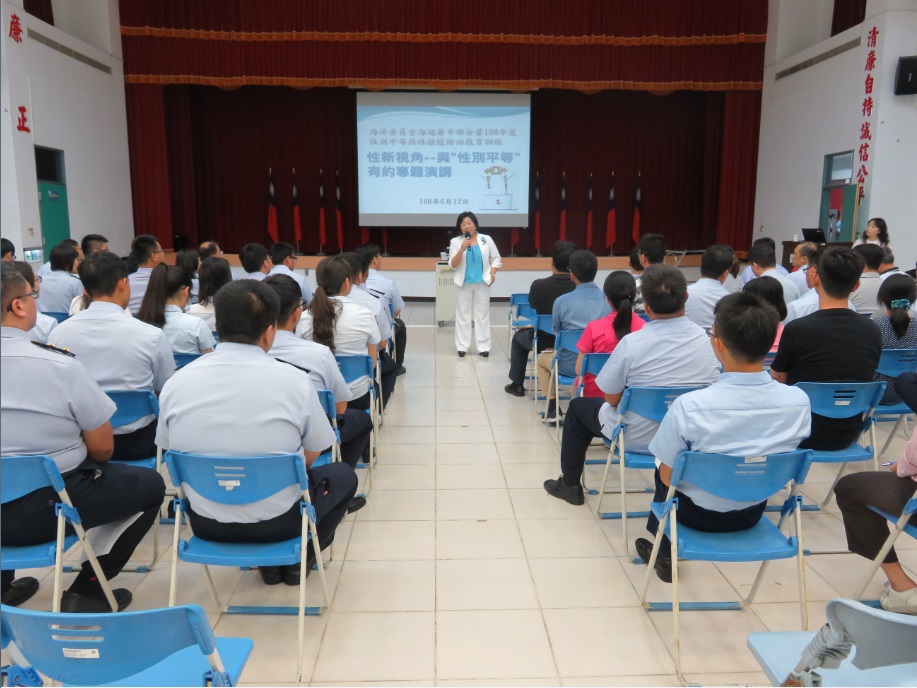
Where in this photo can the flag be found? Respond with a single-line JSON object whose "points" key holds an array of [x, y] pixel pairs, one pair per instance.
{"points": [[322, 230], [611, 229], [563, 207], [297, 220], [272, 209], [364, 235], [589, 216], [638, 202], [338, 217], [537, 213], [513, 237]]}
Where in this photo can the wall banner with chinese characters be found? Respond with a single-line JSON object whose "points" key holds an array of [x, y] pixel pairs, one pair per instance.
{"points": [[867, 106]]}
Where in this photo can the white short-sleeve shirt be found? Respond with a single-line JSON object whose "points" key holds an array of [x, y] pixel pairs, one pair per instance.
{"points": [[58, 289], [207, 313], [703, 296], [300, 280], [374, 305], [139, 282], [314, 357], [44, 324], [186, 334]]}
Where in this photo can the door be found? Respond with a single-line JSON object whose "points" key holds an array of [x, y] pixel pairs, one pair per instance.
{"points": [[52, 197]]}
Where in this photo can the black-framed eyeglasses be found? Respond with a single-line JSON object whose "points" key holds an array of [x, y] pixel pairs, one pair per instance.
{"points": [[33, 294], [711, 334]]}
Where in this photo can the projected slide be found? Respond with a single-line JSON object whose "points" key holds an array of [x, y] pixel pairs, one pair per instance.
{"points": [[424, 158]]}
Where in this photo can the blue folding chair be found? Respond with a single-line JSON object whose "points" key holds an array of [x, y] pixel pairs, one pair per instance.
{"points": [[565, 340], [884, 644], [515, 300], [20, 475], [892, 363], [592, 364], [901, 525], [651, 403], [157, 647], [353, 368], [744, 479], [181, 360], [334, 454], [542, 323], [60, 317], [845, 400], [235, 481]]}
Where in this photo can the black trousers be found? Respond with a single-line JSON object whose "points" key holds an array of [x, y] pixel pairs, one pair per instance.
{"points": [[519, 354], [581, 426], [698, 518], [136, 445], [355, 428], [401, 340], [102, 493], [389, 375], [331, 488], [906, 387], [867, 530]]}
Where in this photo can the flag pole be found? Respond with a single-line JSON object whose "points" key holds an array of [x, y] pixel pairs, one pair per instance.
{"points": [[321, 210], [298, 251]]}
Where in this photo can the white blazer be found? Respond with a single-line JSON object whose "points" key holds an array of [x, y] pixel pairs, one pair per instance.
{"points": [[489, 254]]}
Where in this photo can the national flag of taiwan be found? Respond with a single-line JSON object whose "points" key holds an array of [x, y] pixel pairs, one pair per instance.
{"points": [[638, 202], [537, 209], [589, 216], [297, 220], [563, 207], [322, 229], [338, 217], [272, 209], [611, 228], [364, 235]]}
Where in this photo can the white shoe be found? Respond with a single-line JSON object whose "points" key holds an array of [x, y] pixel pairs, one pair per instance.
{"points": [[899, 602]]}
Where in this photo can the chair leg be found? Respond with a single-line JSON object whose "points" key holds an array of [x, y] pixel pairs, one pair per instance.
{"points": [[801, 568], [213, 590], [650, 565], [676, 620], [58, 563], [321, 566], [97, 569], [598, 505], [880, 557], [891, 434], [301, 620], [173, 579]]}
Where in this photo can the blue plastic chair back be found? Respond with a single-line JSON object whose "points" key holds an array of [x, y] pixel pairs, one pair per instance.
{"points": [[60, 317], [518, 300], [567, 340], [544, 323], [133, 406], [525, 315], [842, 399], [593, 363], [95, 649], [181, 360], [742, 478], [216, 336], [356, 367], [233, 480], [327, 400], [20, 475], [893, 362], [651, 403], [769, 359], [644, 317]]}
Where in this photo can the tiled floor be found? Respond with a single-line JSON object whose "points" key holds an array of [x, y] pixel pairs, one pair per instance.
{"points": [[461, 570]]}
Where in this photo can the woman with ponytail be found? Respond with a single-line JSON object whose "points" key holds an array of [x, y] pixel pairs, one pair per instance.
{"points": [[897, 296], [163, 306], [214, 273], [602, 336], [190, 260], [347, 328]]}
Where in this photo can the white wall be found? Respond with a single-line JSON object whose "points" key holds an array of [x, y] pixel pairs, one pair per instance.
{"points": [[794, 26], [72, 107]]}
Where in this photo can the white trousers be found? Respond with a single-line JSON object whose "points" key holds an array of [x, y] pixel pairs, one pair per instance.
{"points": [[472, 298]]}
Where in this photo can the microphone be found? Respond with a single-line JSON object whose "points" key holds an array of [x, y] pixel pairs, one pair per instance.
{"points": [[467, 235]]}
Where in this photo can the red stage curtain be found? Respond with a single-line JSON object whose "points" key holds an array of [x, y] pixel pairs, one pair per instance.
{"points": [[847, 13], [739, 171], [149, 162]]}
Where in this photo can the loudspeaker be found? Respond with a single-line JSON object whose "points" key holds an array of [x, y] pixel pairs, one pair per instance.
{"points": [[906, 76]]}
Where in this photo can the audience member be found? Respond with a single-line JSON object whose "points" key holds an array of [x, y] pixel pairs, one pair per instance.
{"points": [[603, 335], [732, 283], [876, 233], [571, 311], [52, 407], [808, 303], [318, 362], [255, 261], [650, 251], [92, 243], [744, 413], [898, 326], [208, 249], [763, 261], [7, 250], [189, 260], [703, 295], [748, 274], [214, 274], [60, 286], [121, 353], [888, 267], [46, 268], [283, 256], [834, 344], [147, 254], [866, 296], [542, 295], [43, 323], [380, 285], [770, 291], [240, 402], [164, 307], [802, 256], [347, 328], [670, 351]]}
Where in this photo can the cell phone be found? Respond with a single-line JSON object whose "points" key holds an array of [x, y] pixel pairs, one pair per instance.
{"points": [[890, 463]]}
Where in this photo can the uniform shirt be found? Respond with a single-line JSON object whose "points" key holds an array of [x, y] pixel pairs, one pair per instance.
{"points": [[542, 295], [206, 313], [121, 353], [806, 305], [866, 297], [599, 337], [186, 334], [240, 402], [47, 399], [742, 414], [574, 311], [58, 289], [374, 306], [376, 281], [300, 280], [43, 326], [888, 273], [139, 281], [666, 353], [703, 295], [45, 269], [354, 329], [258, 276], [798, 277], [790, 290], [732, 284], [315, 358], [747, 275]]}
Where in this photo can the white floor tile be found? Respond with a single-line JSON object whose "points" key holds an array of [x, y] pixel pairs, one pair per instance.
{"points": [[463, 505], [386, 586], [478, 540], [392, 540], [484, 584], [469, 476]]}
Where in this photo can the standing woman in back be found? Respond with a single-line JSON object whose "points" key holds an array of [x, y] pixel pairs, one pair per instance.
{"points": [[876, 232], [475, 259], [164, 304]]}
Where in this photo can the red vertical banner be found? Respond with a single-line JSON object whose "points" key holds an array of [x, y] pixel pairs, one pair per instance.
{"points": [[297, 219], [364, 235], [513, 238], [589, 216], [322, 228], [638, 203], [562, 232], [537, 214], [338, 216], [272, 209], [611, 220]]}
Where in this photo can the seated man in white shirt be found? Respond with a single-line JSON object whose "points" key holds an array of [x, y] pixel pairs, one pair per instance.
{"points": [[802, 258], [120, 352], [283, 257], [60, 286], [669, 351], [866, 296], [748, 274], [379, 285], [763, 261], [887, 267], [808, 302], [240, 402], [745, 413], [73, 243], [147, 254], [703, 295], [255, 261]]}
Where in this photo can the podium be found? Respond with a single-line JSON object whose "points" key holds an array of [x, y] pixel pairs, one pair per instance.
{"points": [[445, 293]]}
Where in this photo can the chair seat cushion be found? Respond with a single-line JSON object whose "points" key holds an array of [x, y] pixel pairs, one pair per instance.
{"points": [[33, 556], [199, 551]]}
